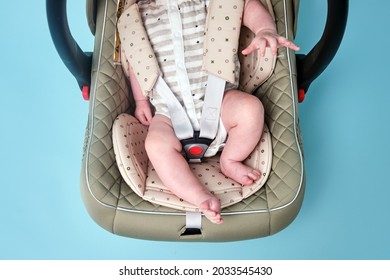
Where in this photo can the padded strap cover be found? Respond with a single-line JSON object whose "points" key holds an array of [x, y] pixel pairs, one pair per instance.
{"points": [[223, 27], [138, 49]]}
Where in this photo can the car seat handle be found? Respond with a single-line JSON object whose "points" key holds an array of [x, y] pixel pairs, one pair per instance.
{"points": [[78, 62], [310, 66]]}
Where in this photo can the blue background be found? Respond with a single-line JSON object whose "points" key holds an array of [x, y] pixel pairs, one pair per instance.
{"points": [[344, 120]]}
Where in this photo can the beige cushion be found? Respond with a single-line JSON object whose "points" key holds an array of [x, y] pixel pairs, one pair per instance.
{"points": [[129, 138]]}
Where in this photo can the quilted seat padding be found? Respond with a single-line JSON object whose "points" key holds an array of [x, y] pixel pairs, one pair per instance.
{"points": [[114, 206]]}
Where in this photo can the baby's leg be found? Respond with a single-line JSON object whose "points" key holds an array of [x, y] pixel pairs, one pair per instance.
{"points": [[243, 118], [163, 149]]}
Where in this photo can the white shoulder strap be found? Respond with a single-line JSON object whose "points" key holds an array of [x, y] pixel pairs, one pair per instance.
{"points": [[211, 110], [180, 121]]}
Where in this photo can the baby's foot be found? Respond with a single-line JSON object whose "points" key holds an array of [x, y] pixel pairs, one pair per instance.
{"points": [[240, 173], [211, 208]]}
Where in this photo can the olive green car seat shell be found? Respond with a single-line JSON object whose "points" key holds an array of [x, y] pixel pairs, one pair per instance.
{"points": [[112, 203]]}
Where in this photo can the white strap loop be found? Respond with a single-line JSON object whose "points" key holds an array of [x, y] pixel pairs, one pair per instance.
{"points": [[194, 220]]}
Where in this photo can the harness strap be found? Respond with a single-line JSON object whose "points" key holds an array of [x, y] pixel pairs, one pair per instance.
{"points": [[180, 121], [182, 77], [211, 110], [195, 143]]}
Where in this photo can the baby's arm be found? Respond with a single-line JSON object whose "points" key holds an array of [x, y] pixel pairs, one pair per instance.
{"points": [[143, 111], [257, 18]]}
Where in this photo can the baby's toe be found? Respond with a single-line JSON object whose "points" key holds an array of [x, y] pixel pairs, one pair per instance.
{"points": [[254, 175]]}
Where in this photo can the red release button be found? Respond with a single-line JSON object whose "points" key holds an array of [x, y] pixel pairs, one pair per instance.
{"points": [[85, 92], [195, 150], [301, 95]]}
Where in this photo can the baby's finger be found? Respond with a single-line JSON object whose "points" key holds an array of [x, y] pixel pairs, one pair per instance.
{"points": [[141, 117], [273, 44], [148, 118], [144, 120], [287, 43], [249, 49], [294, 47], [262, 44]]}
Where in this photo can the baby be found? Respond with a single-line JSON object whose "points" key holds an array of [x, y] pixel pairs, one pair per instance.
{"points": [[242, 114]]}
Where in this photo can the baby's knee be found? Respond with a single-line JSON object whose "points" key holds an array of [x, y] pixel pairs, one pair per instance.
{"points": [[157, 145], [252, 107], [245, 102]]}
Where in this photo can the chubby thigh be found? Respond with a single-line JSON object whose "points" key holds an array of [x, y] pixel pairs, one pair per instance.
{"points": [[161, 136]]}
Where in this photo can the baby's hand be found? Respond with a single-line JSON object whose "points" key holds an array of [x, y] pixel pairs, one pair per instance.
{"points": [[143, 112], [268, 38]]}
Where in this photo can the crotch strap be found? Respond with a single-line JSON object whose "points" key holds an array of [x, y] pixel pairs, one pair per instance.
{"points": [[195, 143]]}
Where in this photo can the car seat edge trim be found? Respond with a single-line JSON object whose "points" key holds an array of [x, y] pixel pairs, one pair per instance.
{"points": [[91, 121], [295, 112]]}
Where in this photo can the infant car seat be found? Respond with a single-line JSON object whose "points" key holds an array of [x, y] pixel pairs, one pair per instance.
{"points": [[109, 199]]}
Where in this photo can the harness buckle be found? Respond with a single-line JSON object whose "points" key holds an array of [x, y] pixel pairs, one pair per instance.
{"points": [[195, 148]]}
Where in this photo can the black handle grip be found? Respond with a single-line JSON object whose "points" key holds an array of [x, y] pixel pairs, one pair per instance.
{"points": [[310, 66], [77, 61]]}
